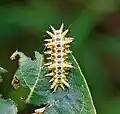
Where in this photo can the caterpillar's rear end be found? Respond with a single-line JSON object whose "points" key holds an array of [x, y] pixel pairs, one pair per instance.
{"points": [[58, 50]]}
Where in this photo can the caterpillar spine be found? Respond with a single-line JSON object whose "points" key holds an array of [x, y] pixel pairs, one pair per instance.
{"points": [[58, 50]]}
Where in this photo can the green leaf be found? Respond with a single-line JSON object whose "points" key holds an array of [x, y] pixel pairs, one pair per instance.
{"points": [[75, 100], [2, 70], [7, 107]]}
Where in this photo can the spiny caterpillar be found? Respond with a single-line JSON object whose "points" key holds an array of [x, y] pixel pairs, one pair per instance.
{"points": [[58, 50]]}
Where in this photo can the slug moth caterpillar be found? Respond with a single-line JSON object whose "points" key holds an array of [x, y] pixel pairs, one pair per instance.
{"points": [[58, 49]]}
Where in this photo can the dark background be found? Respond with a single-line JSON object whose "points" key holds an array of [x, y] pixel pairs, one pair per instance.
{"points": [[95, 25]]}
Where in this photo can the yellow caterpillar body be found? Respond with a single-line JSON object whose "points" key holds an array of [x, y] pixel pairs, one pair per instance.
{"points": [[58, 50]]}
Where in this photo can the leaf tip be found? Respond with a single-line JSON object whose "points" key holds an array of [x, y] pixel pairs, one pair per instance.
{"points": [[14, 55]]}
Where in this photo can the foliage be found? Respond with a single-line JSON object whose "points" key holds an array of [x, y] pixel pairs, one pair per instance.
{"points": [[31, 75], [2, 70], [7, 107]]}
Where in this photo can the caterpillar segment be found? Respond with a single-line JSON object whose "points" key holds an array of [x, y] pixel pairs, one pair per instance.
{"points": [[57, 51]]}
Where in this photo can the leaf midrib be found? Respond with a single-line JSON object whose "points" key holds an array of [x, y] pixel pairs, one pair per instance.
{"points": [[34, 86]]}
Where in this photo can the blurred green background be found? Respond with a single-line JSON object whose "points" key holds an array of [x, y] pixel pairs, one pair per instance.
{"points": [[95, 26]]}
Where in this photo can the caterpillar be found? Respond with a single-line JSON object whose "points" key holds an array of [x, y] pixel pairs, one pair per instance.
{"points": [[58, 49]]}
